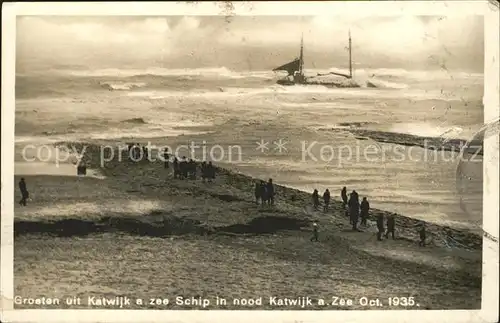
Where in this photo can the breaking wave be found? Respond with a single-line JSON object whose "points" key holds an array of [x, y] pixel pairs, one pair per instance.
{"points": [[122, 86], [182, 74]]}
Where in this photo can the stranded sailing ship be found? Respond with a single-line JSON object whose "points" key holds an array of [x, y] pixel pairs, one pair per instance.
{"points": [[295, 70]]}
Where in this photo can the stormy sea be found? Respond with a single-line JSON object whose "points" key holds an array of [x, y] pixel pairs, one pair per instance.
{"points": [[369, 139]]}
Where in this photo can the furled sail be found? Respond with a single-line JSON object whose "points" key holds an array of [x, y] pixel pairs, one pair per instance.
{"points": [[291, 67]]}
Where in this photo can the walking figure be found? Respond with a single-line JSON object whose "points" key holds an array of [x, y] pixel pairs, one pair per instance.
{"points": [[24, 192], [391, 223], [270, 192], [380, 226], [210, 172], [354, 210], [365, 208], [166, 158], [326, 199], [315, 232], [264, 195], [315, 198], [257, 192], [422, 234], [177, 171], [204, 175], [343, 195]]}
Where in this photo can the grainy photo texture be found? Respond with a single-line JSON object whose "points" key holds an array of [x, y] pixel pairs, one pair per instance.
{"points": [[249, 162]]}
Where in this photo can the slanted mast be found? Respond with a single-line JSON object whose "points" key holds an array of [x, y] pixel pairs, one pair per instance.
{"points": [[301, 55], [297, 65], [295, 68]]}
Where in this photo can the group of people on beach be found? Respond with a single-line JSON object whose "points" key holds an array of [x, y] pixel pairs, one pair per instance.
{"points": [[356, 210], [134, 150], [188, 169], [353, 208], [264, 192], [184, 168]]}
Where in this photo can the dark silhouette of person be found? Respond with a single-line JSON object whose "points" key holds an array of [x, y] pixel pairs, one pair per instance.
{"points": [[131, 151], [353, 204], [315, 232], [203, 168], [270, 192], [264, 196], [81, 169], [326, 199], [188, 169], [365, 208], [183, 167], [137, 153], [210, 172], [145, 150], [380, 226], [257, 192], [24, 192], [391, 224], [166, 158], [343, 195], [423, 235], [192, 169], [315, 198], [177, 170]]}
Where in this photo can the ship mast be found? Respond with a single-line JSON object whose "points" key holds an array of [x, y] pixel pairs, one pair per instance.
{"points": [[301, 64], [350, 56]]}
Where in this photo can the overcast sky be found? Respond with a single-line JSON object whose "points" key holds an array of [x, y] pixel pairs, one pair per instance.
{"points": [[244, 42]]}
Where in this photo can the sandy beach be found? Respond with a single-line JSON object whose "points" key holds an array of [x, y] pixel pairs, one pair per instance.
{"points": [[130, 229], [391, 106]]}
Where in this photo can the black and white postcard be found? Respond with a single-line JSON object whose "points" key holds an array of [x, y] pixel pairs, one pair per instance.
{"points": [[250, 161]]}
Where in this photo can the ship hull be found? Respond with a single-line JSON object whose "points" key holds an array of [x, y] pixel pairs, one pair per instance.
{"points": [[329, 84]]}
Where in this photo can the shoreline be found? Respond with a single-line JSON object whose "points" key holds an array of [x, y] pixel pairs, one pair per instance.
{"points": [[450, 236]]}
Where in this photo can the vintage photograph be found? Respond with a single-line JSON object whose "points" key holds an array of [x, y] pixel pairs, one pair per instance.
{"points": [[217, 162]]}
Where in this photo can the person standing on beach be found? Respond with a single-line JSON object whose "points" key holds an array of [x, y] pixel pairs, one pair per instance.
{"points": [[210, 171], [270, 192], [257, 191], [203, 168], [192, 169], [315, 232], [183, 168], [343, 195], [137, 152], [354, 210], [176, 168], [166, 158], [315, 198], [422, 235], [391, 224], [365, 208], [326, 199], [24, 192], [264, 196], [380, 226]]}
